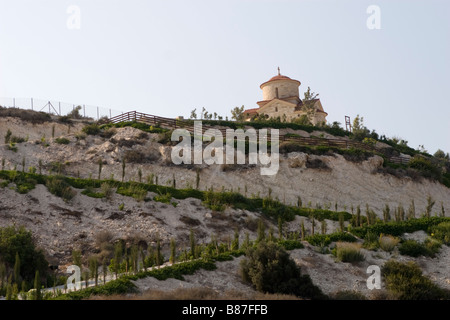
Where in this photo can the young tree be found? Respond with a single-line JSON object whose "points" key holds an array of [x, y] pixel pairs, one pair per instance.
{"points": [[235, 243], [118, 254], [303, 230], [237, 113], [341, 221], [429, 207], [17, 269], [412, 210], [135, 257], [358, 216], [123, 169], [324, 226], [313, 224], [37, 286], [158, 252], [104, 269], [172, 250], [261, 231], [192, 242], [100, 165], [76, 258], [280, 228], [386, 213], [93, 268], [193, 114]]}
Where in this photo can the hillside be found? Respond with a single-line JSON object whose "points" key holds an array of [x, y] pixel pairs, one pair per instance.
{"points": [[327, 180]]}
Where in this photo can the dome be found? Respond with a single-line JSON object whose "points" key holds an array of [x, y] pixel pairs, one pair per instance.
{"points": [[279, 77]]}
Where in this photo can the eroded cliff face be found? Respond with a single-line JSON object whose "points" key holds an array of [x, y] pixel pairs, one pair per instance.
{"points": [[317, 180], [59, 227]]}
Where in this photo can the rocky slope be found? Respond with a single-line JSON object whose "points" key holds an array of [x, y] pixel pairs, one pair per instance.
{"points": [[60, 227]]}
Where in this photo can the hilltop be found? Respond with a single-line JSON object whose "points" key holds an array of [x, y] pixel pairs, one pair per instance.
{"points": [[316, 178]]}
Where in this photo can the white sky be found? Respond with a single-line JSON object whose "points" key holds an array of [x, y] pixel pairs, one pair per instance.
{"points": [[168, 57]]}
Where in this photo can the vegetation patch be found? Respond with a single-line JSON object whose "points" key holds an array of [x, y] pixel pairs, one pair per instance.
{"points": [[406, 282]]}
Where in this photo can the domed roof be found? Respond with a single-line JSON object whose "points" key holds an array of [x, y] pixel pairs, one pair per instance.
{"points": [[279, 77]]}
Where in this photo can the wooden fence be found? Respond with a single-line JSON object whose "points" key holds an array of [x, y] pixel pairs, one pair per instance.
{"points": [[171, 123]]}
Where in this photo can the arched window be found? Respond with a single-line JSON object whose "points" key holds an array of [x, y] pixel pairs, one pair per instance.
{"points": [[276, 93], [276, 109]]}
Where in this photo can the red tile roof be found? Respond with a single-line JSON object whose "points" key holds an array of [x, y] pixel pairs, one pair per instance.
{"points": [[279, 77]]}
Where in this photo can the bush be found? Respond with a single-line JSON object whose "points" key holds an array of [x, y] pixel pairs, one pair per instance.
{"points": [[60, 188], [269, 268], [441, 232], [348, 252], [19, 240], [428, 169], [398, 228], [388, 242], [291, 244], [406, 282], [415, 249], [62, 140], [326, 239], [91, 129]]}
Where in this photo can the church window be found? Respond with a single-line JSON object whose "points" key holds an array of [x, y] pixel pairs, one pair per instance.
{"points": [[276, 93], [276, 109]]}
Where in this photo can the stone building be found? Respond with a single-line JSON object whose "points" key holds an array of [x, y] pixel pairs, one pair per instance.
{"points": [[281, 99]]}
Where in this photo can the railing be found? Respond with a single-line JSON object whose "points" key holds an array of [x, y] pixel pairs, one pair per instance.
{"points": [[306, 141]]}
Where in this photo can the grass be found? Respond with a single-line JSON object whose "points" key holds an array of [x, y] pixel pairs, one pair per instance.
{"points": [[348, 252], [388, 242]]}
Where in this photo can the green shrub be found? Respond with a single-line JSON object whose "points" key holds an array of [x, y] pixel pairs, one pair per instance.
{"points": [[291, 244], [415, 249], [91, 129], [17, 240], [441, 232], [326, 239], [62, 140], [269, 268], [426, 167], [60, 188], [348, 252], [398, 228], [406, 282], [15, 139]]}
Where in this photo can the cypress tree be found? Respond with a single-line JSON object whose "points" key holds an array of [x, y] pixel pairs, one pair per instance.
{"points": [[37, 286], [302, 229], [123, 169], [235, 243], [358, 216], [341, 221], [104, 269], [192, 242], [158, 252], [172, 250], [324, 226], [17, 269], [118, 252], [100, 165], [280, 228], [261, 231]]}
